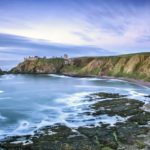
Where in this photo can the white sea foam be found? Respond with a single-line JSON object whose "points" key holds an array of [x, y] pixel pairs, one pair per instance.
{"points": [[23, 128], [23, 141], [132, 93], [116, 80], [1, 91], [58, 76], [3, 98], [7, 77], [2, 117], [23, 125], [111, 119], [73, 99], [71, 108], [91, 79], [44, 123], [1, 134], [88, 86]]}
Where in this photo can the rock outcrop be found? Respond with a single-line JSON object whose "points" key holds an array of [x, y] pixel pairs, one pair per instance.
{"points": [[40, 65], [131, 134], [1, 72], [136, 66]]}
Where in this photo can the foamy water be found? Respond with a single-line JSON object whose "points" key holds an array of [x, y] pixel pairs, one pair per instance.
{"points": [[29, 102]]}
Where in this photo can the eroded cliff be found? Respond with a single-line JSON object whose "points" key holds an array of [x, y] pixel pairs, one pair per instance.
{"points": [[136, 66]]}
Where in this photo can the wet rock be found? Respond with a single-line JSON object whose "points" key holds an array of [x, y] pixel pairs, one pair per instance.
{"points": [[123, 107], [140, 118], [100, 136], [147, 96], [134, 133], [104, 95]]}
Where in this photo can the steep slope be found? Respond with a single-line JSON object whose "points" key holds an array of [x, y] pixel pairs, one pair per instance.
{"points": [[40, 65], [135, 66]]}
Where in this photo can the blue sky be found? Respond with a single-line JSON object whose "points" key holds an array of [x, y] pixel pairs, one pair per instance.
{"points": [[76, 27]]}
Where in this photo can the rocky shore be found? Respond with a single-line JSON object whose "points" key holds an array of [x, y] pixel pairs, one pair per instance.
{"points": [[138, 82], [131, 132]]}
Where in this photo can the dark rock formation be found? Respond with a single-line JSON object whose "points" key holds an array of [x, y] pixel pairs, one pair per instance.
{"points": [[1, 72]]}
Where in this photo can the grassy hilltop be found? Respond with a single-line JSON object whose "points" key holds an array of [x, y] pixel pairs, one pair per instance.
{"points": [[136, 66]]}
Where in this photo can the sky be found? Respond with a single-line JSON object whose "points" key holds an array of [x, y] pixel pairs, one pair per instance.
{"points": [[76, 27]]}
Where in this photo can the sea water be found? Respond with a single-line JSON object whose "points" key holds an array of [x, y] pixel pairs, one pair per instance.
{"points": [[29, 102]]}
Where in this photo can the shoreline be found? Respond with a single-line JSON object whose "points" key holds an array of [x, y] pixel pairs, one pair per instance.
{"points": [[125, 117], [135, 81], [112, 137]]}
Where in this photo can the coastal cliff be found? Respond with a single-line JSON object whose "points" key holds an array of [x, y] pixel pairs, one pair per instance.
{"points": [[136, 66]]}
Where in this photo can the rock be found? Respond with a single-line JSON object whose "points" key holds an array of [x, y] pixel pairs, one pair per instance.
{"points": [[133, 133], [147, 96], [1, 72], [122, 107], [40, 65]]}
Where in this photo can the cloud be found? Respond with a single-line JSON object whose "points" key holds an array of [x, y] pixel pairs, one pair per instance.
{"points": [[144, 39], [23, 46], [117, 25], [14, 48]]}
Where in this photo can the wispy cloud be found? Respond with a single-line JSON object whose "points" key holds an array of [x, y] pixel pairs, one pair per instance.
{"points": [[15, 47], [117, 25]]}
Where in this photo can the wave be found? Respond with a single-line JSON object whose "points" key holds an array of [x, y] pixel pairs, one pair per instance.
{"points": [[73, 99], [70, 109], [1, 91], [91, 78], [2, 117], [7, 77], [88, 86], [111, 119], [2, 98], [58, 76], [24, 128], [116, 80], [23, 125], [134, 93]]}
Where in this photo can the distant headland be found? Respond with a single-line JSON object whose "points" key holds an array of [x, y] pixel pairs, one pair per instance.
{"points": [[134, 66]]}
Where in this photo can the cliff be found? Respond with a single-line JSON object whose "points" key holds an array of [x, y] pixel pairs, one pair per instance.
{"points": [[40, 65], [136, 66]]}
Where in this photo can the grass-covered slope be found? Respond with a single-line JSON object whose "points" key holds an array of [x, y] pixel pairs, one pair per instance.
{"points": [[136, 66]]}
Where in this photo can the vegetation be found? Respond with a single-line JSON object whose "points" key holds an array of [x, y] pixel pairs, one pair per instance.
{"points": [[136, 66]]}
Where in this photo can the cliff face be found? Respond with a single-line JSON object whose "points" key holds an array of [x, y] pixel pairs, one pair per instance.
{"points": [[40, 65], [135, 66]]}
